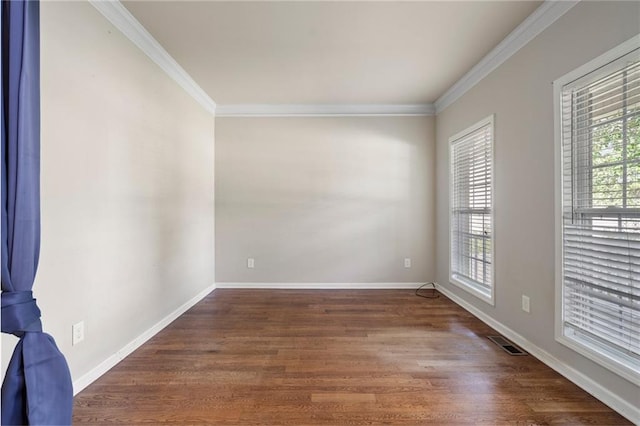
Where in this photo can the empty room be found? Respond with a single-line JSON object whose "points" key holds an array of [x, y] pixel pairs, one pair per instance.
{"points": [[321, 212]]}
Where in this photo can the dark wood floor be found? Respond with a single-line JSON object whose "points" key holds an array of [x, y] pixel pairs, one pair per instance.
{"points": [[269, 357]]}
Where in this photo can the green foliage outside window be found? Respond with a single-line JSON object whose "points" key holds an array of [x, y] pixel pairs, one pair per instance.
{"points": [[615, 164]]}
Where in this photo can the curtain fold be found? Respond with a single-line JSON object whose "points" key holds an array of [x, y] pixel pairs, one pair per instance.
{"points": [[37, 388]]}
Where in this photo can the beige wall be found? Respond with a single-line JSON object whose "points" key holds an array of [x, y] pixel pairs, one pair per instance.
{"points": [[519, 93], [127, 188], [325, 200]]}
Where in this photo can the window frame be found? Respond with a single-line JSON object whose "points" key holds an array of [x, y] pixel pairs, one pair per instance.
{"points": [[604, 63], [468, 285]]}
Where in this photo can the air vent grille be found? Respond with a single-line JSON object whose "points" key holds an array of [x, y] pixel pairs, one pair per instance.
{"points": [[507, 345]]}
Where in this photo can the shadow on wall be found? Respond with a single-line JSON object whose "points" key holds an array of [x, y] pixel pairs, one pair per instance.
{"points": [[332, 199]]}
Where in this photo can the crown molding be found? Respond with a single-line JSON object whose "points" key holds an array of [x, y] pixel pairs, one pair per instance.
{"points": [[538, 21], [124, 21], [545, 15], [361, 110]]}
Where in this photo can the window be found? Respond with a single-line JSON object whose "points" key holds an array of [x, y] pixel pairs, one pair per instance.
{"points": [[598, 284], [471, 211]]}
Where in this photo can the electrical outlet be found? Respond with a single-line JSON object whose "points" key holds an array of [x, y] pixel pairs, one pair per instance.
{"points": [[250, 262], [77, 333], [407, 262], [525, 303]]}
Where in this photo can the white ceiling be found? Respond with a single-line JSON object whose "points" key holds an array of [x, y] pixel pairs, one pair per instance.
{"points": [[328, 52]]}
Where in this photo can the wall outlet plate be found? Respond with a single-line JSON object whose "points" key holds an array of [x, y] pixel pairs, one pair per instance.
{"points": [[77, 333], [407, 262], [251, 263], [526, 303]]}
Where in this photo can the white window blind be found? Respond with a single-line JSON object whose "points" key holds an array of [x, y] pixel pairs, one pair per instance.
{"points": [[600, 125], [471, 257]]}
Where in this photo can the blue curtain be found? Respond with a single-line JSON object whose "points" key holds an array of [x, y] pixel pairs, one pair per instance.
{"points": [[37, 387]]}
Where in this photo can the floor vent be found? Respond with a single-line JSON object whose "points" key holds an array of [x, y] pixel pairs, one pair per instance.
{"points": [[508, 346]]}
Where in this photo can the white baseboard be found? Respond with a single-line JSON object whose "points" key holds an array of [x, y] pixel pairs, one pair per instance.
{"points": [[321, 286], [110, 362], [623, 407]]}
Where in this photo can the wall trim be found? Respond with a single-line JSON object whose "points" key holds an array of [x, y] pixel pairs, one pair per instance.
{"points": [[124, 21], [320, 286], [618, 404], [309, 110], [95, 373], [537, 22], [545, 15]]}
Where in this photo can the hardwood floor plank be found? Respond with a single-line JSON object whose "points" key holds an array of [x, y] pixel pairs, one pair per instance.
{"points": [[332, 357], [343, 397]]}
